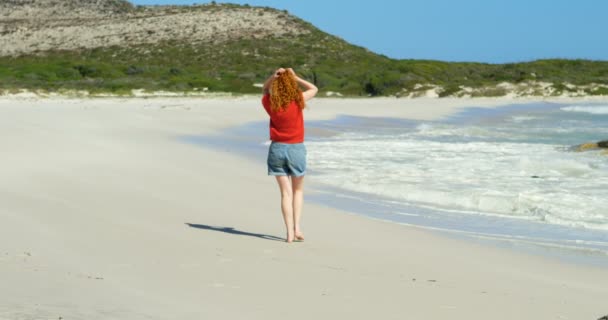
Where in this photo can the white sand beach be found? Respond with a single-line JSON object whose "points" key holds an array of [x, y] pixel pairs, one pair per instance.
{"points": [[104, 214]]}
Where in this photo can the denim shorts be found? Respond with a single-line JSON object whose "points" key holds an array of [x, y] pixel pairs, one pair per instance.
{"points": [[286, 159]]}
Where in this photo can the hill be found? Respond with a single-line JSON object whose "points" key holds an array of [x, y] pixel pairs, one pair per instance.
{"points": [[44, 10], [113, 46]]}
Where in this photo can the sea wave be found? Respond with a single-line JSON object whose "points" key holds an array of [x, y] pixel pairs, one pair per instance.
{"points": [[532, 181], [598, 109], [506, 175]]}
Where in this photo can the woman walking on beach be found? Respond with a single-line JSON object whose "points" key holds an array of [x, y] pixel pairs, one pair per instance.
{"points": [[284, 101]]}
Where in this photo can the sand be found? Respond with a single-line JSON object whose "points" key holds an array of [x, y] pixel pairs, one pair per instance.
{"points": [[104, 214]]}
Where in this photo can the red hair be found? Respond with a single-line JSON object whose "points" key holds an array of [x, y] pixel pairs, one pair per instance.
{"points": [[283, 90]]}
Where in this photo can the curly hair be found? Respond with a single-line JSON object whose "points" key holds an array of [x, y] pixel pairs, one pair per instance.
{"points": [[283, 90]]}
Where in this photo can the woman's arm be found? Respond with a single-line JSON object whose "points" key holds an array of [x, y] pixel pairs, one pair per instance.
{"points": [[266, 87], [310, 89]]}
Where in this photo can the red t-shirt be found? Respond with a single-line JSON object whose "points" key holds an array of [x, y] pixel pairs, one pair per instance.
{"points": [[286, 126]]}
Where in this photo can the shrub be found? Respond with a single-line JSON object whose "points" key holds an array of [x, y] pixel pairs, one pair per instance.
{"points": [[449, 90], [133, 70], [86, 71]]}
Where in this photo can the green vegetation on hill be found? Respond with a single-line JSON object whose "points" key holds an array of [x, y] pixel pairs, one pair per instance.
{"points": [[235, 66]]}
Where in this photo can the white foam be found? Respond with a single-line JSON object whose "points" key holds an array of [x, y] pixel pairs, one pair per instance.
{"points": [[538, 182], [520, 119], [599, 109]]}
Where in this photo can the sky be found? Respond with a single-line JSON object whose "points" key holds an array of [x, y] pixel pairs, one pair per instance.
{"points": [[493, 31]]}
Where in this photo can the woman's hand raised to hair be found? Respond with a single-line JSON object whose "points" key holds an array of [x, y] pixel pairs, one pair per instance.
{"points": [[266, 86], [279, 71], [310, 90]]}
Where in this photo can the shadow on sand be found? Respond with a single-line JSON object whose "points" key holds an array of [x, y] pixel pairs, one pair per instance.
{"points": [[234, 231]]}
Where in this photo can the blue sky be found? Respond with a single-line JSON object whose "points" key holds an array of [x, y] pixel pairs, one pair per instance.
{"points": [[494, 31]]}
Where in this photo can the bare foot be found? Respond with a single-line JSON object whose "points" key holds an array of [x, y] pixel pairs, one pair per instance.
{"points": [[289, 238], [299, 236]]}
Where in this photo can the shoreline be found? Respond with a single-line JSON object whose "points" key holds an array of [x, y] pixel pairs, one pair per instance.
{"points": [[526, 239], [205, 94], [99, 197]]}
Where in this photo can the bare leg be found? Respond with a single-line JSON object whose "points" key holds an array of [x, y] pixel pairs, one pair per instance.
{"points": [[287, 205], [297, 185]]}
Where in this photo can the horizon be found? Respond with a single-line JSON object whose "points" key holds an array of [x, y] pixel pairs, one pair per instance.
{"points": [[470, 30]]}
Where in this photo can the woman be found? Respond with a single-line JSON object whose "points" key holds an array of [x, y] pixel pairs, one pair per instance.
{"points": [[284, 100]]}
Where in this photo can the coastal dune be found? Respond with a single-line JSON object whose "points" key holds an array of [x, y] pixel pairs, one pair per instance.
{"points": [[105, 214]]}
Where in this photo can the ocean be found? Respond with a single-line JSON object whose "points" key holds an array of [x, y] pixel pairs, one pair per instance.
{"points": [[509, 175]]}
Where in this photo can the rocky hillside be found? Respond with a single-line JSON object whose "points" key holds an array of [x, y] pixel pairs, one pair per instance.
{"points": [[111, 46], [43, 10], [33, 26]]}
